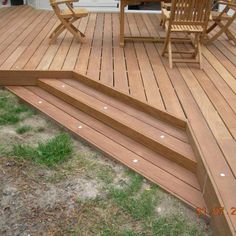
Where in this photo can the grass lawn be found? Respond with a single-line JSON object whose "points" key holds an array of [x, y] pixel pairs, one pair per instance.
{"points": [[52, 184]]}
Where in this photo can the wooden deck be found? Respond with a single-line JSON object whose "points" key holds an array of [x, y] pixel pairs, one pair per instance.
{"points": [[205, 98]]}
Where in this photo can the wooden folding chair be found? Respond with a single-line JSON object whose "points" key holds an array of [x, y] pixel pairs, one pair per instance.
{"points": [[67, 17], [187, 16], [223, 20]]}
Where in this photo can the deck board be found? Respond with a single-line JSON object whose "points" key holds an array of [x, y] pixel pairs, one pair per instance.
{"points": [[84, 53], [28, 53], [149, 80], [120, 79], [106, 75], [71, 57], [60, 56], [94, 63], [206, 98], [13, 35]]}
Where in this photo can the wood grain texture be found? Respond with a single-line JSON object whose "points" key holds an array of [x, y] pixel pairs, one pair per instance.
{"points": [[205, 98], [153, 138]]}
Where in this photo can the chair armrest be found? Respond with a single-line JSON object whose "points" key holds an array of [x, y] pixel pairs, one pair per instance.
{"points": [[166, 5]]}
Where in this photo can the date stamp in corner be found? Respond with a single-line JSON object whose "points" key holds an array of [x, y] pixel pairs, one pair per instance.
{"points": [[216, 211]]}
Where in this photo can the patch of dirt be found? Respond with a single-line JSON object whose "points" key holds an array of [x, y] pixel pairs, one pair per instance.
{"points": [[8, 135], [37, 122], [31, 207]]}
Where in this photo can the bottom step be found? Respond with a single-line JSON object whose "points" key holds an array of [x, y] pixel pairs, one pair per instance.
{"points": [[167, 174]]}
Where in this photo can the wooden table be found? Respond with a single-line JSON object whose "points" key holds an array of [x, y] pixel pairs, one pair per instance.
{"points": [[123, 4]]}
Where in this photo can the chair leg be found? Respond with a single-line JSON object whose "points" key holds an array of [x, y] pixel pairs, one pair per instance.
{"points": [[66, 24], [210, 40], [195, 46], [161, 22], [230, 36], [199, 47], [164, 22], [170, 54], [69, 25], [166, 43], [223, 28], [56, 30], [211, 27], [77, 31], [60, 28]]}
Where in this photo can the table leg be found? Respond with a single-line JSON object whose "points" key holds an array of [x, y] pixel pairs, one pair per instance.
{"points": [[122, 22]]}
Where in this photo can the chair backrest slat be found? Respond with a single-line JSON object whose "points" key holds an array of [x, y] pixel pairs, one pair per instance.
{"points": [[190, 12]]}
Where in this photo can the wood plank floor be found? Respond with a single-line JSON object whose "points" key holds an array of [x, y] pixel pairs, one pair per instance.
{"points": [[207, 98]]}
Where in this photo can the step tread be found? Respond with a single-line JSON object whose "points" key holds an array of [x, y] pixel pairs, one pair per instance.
{"points": [[186, 192], [165, 116], [140, 131], [132, 111]]}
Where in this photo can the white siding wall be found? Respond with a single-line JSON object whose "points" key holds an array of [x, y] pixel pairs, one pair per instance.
{"points": [[92, 5], [33, 3]]}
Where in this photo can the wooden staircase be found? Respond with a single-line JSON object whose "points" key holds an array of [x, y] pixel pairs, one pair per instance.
{"points": [[147, 140], [157, 135]]}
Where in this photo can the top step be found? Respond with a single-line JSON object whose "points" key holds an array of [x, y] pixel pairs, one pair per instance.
{"points": [[131, 101], [156, 134]]}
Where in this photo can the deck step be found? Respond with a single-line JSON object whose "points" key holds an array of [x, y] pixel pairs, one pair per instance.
{"points": [[167, 141], [128, 108], [167, 174]]}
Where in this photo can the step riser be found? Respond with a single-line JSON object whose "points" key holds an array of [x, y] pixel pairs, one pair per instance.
{"points": [[169, 153]]}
